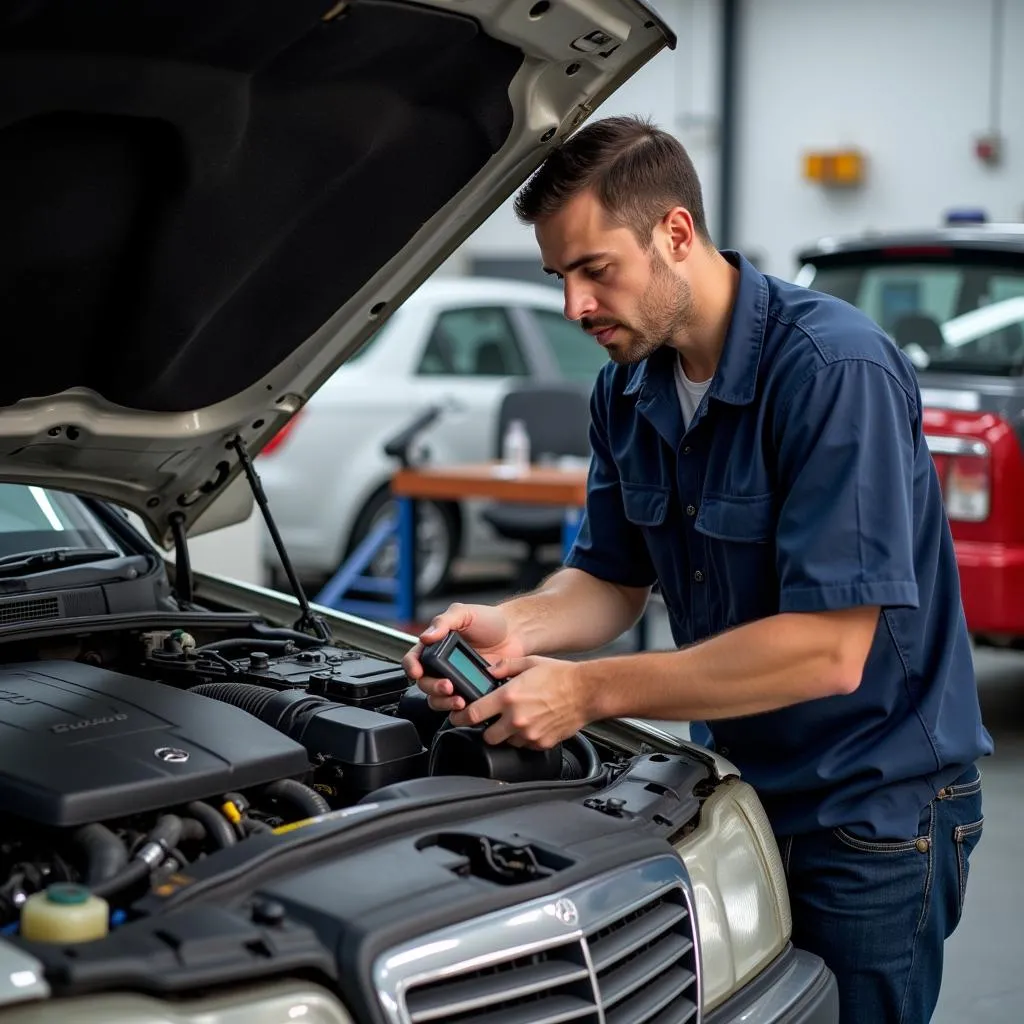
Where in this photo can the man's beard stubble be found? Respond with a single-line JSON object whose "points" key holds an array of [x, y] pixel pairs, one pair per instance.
{"points": [[665, 309]]}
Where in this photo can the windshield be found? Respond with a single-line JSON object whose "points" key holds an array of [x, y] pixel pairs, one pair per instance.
{"points": [[38, 519], [954, 316]]}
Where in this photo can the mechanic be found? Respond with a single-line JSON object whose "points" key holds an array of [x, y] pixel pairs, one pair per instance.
{"points": [[757, 454]]}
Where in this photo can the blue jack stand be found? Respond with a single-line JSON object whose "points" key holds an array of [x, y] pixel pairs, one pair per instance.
{"points": [[401, 588], [349, 576]]}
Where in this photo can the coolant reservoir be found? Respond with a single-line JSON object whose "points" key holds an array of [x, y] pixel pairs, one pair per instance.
{"points": [[64, 913]]}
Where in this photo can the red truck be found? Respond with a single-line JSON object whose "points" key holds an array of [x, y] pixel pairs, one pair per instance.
{"points": [[953, 299]]}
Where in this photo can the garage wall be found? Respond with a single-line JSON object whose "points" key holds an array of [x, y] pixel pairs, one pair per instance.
{"points": [[234, 551], [677, 90], [909, 83]]}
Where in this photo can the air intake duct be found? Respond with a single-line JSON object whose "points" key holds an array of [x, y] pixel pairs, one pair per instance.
{"points": [[372, 749]]}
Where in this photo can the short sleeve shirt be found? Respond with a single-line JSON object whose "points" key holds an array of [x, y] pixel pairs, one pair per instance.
{"points": [[802, 484]]}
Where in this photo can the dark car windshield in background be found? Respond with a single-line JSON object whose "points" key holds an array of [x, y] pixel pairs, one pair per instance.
{"points": [[953, 316], [40, 519]]}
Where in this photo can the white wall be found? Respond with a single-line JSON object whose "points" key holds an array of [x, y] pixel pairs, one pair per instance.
{"points": [[233, 551], [908, 82], [677, 90]]}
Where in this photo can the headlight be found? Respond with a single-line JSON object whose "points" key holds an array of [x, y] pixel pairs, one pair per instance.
{"points": [[739, 890], [284, 1003]]}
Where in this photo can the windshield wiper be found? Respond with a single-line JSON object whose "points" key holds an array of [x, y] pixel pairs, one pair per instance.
{"points": [[52, 558]]}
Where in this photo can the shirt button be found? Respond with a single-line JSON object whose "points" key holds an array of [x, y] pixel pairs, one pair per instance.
{"points": [[698, 577], [691, 510], [686, 450]]}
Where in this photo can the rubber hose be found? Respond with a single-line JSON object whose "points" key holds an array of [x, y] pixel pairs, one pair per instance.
{"points": [[284, 710], [192, 830], [134, 873], [249, 698], [241, 643], [167, 831], [105, 854], [587, 756], [307, 800], [260, 633], [218, 828]]}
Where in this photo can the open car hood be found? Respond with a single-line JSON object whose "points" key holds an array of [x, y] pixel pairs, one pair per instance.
{"points": [[208, 206]]}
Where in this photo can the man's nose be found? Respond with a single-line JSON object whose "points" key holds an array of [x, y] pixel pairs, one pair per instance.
{"points": [[579, 302]]}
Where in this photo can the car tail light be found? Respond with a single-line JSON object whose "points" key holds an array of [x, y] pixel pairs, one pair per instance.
{"points": [[965, 472], [281, 436]]}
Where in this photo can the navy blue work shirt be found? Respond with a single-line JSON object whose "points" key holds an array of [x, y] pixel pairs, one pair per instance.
{"points": [[803, 484]]}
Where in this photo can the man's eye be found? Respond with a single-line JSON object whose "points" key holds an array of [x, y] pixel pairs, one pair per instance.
{"points": [[596, 273]]}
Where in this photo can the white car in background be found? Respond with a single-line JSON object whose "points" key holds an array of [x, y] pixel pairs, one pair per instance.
{"points": [[457, 342]]}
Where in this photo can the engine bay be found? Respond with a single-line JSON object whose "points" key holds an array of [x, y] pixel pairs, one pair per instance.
{"points": [[128, 755]]}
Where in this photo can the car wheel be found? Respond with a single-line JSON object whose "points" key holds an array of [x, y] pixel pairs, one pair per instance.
{"points": [[437, 536]]}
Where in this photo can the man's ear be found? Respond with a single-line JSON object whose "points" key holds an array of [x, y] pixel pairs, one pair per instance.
{"points": [[680, 235]]}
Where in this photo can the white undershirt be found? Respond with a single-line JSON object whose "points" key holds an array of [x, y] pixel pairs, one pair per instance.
{"points": [[690, 392]]}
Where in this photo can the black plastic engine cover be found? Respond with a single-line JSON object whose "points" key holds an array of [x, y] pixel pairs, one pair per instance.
{"points": [[80, 743]]}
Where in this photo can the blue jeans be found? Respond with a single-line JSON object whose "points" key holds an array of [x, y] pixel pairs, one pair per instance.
{"points": [[878, 913]]}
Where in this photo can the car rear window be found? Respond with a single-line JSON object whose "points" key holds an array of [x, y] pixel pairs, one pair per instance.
{"points": [[956, 316]]}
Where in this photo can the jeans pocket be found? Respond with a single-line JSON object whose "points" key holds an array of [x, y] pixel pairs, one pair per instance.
{"points": [[966, 837], [967, 785], [919, 844]]}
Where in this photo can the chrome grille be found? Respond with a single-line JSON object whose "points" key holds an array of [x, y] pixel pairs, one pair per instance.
{"points": [[548, 987], [617, 950], [646, 964]]}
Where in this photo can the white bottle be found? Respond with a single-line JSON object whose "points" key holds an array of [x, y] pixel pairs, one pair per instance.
{"points": [[515, 446]]}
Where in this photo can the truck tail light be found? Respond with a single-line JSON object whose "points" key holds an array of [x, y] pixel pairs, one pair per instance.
{"points": [[965, 471]]}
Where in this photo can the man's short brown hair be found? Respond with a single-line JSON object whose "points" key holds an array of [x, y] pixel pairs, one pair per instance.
{"points": [[637, 171]]}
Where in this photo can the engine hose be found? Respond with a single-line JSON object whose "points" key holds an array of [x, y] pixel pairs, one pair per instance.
{"points": [[583, 762], [164, 837], [105, 854], [308, 801], [127, 878], [192, 830], [244, 643], [166, 833], [249, 698], [218, 828], [261, 633], [285, 710]]}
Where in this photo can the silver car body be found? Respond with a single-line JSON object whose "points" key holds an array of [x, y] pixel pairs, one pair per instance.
{"points": [[330, 461]]}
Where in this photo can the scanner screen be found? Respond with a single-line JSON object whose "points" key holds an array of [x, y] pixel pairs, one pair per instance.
{"points": [[480, 682]]}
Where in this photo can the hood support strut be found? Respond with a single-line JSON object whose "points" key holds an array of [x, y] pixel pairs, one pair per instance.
{"points": [[183, 579], [308, 621]]}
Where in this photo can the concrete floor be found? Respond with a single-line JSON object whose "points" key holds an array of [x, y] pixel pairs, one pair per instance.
{"points": [[983, 980]]}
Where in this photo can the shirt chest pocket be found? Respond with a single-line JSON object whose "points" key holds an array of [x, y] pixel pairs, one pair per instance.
{"points": [[645, 505], [737, 519], [739, 533]]}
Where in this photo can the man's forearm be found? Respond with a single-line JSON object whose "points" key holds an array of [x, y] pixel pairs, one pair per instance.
{"points": [[757, 667], [573, 611]]}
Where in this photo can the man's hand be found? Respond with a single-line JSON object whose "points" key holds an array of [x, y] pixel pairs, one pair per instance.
{"points": [[485, 629], [542, 703]]}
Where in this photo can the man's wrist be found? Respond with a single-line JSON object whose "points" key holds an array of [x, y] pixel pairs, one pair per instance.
{"points": [[522, 625], [593, 691]]}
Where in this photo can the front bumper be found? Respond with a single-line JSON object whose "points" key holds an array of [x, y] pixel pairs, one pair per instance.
{"points": [[796, 989]]}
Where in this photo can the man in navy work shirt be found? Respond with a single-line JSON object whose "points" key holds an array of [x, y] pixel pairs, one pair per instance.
{"points": [[757, 453]]}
